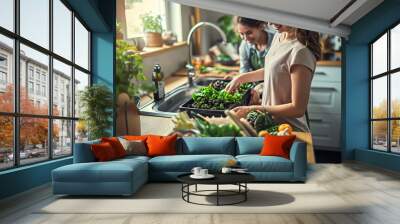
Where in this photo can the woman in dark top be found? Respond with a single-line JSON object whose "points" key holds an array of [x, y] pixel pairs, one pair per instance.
{"points": [[256, 41]]}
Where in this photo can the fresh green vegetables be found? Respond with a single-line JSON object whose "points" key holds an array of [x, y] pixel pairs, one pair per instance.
{"points": [[261, 121], [207, 129], [216, 69], [210, 98], [216, 98], [223, 58]]}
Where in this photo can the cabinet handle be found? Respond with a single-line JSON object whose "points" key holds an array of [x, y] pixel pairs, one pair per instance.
{"points": [[316, 120], [320, 73], [324, 88]]}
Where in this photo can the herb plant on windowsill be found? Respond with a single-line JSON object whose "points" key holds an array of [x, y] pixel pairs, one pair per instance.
{"points": [[153, 28]]}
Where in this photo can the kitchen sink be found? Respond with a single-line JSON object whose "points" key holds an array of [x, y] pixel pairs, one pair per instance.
{"points": [[169, 106]]}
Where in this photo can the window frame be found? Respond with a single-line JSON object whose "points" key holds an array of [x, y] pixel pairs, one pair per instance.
{"points": [[388, 74], [16, 114], [168, 23]]}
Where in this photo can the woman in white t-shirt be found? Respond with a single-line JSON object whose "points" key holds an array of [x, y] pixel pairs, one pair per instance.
{"points": [[287, 75]]}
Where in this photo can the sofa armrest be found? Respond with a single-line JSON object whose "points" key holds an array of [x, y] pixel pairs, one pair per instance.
{"points": [[298, 155], [83, 152]]}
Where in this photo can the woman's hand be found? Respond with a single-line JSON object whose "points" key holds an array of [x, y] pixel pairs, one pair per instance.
{"points": [[242, 111], [233, 84]]}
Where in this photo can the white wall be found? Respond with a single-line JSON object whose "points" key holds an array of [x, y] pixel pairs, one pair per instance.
{"points": [[209, 35], [170, 60]]}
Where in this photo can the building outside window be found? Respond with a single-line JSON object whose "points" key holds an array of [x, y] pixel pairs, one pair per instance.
{"points": [[3, 61], [43, 77], [30, 87], [43, 90], [38, 89], [3, 72], [385, 95], [3, 78], [30, 72], [58, 133]]}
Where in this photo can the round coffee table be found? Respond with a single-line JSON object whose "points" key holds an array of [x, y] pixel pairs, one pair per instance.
{"points": [[238, 179]]}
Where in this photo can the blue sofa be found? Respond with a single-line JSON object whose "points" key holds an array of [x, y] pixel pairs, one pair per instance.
{"points": [[125, 176]]}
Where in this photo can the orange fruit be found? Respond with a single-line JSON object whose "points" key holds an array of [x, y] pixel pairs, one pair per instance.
{"points": [[289, 128], [262, 133]]}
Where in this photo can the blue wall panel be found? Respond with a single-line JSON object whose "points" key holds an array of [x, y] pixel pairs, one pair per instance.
{"points": [[99, 15], [356, 83], [24, 178]]}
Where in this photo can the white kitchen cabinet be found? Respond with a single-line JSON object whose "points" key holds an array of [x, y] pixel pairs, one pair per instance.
{"points": [[324, 107], [325, 130]]}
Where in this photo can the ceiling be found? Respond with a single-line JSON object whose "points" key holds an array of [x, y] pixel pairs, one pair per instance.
{"points": [[325, 16]]}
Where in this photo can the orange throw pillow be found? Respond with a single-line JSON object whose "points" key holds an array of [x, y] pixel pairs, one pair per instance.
{"points": [[116, 145], [161, 145], [277, 145], [135, 137], [103, 152]]}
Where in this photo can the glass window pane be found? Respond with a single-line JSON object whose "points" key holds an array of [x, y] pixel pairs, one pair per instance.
{"points": [[81, 81], [62, 138], [81, 131], [395, 47], [379, 97], [379, 135], [134, 10], [6, 74], [62, 29], [6, 142], [33, 139], [35, 21], [379, 55], [7, 14], [62, 89], [395, 94], [34, 66], [81, 45], [395, 136]]}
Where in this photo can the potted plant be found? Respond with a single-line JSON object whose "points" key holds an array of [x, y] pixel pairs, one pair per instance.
{"points": [[153, 29], [130, 76], [96, 103]]}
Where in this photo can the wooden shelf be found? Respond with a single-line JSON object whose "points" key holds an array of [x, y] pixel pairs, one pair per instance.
{"points": [[148, 51], [329, 63]]}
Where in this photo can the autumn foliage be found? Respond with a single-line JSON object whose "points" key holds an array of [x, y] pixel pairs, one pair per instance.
{"points": [[33, 131], [380, 127]]}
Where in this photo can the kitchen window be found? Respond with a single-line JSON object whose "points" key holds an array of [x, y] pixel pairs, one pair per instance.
{"points": [[134, 23], [44, 44], [385, 96]]}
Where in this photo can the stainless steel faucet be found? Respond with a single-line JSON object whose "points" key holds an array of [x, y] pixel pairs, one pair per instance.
{"points": [[189, 66]]}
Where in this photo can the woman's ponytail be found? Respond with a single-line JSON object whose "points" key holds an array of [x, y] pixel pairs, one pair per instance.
{"points": [[310, 39]]}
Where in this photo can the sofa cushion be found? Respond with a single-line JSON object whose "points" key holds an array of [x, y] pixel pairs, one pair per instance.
{"points": [[83, 152], [134, 147], [103, 152], [277, 145], [112, 171], [116, 145], [249, 145], [257, 163], [185, 163], [161, 145], [207, 145]]}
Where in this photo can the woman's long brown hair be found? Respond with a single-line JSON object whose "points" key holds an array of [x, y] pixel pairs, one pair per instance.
{"points": [[310, 39]]}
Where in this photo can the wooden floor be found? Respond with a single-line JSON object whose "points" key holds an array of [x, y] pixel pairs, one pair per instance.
{"points": [[378, 189]]}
